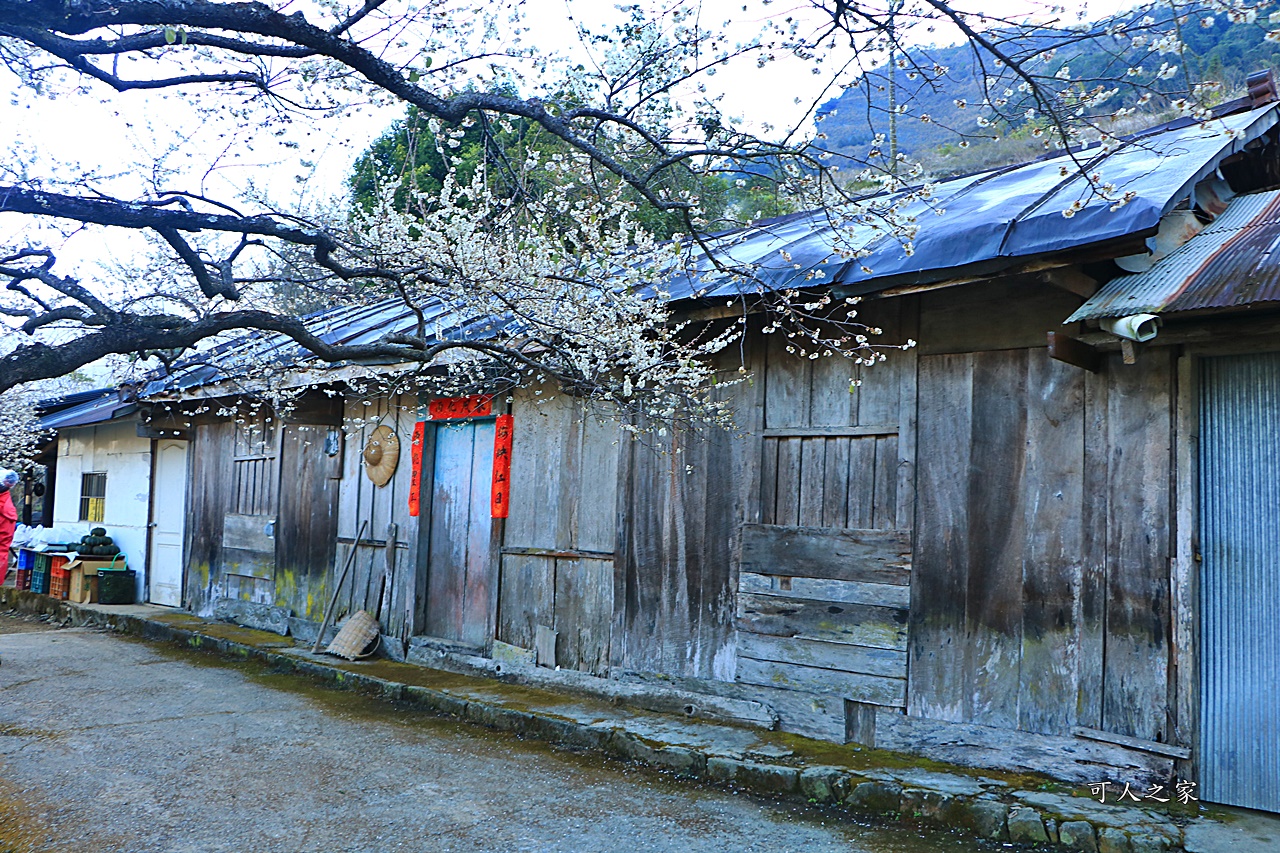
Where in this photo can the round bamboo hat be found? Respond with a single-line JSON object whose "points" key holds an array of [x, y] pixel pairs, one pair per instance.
{"points": [[381, 455]]}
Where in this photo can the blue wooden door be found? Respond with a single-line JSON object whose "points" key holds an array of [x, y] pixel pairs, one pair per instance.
{"points": [[461, 568]]}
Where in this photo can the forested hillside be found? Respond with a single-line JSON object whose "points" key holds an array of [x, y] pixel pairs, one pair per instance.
{"points": [[1214, 50]]}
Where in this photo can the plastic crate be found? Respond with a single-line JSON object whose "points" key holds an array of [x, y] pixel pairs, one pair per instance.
{"points": [[22, 580], [59, 582], [26, 559], [48, 560], [40, 579], [116, 586]]}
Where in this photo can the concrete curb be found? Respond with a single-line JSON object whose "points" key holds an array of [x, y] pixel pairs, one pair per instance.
{"points": [[976, 803]]}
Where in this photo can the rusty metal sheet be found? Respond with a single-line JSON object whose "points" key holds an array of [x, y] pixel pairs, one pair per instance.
{"points": [[1234, 261]]}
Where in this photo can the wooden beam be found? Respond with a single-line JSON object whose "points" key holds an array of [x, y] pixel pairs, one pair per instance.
{"points": [[1073, 352], [1166, 749], [830, 431], [1071, 279]]}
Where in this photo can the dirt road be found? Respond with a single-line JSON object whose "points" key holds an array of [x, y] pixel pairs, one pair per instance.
{"points": [[110, 744]]}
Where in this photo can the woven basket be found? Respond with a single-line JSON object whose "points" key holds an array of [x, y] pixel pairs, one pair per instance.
{"points": [[357, 637]]}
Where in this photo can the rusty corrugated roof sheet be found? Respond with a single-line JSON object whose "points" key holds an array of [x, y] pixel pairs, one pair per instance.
{"points": [[1234, 261]]}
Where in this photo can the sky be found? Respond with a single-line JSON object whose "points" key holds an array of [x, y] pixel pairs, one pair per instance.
{"points": [[119, 137]]}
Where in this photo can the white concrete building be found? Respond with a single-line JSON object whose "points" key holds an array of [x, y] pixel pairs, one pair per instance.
{"points": [[109, 474]]}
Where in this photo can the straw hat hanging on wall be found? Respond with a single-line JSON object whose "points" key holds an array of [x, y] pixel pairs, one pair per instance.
{"points": [[381, 455]]}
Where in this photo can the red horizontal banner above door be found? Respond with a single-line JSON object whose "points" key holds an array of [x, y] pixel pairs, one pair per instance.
{"points": [[452, 408]]}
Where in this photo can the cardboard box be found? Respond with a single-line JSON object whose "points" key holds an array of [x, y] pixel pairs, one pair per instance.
{"points": [[84, 587], [92, 565], [84, 577]]}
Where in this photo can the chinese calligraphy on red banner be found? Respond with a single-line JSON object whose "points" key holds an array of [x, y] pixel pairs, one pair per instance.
{"points": [[449, 408], [501, 496]]}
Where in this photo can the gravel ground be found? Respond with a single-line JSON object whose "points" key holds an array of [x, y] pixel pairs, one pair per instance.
{"points": [[14, 622], [110, 744]]}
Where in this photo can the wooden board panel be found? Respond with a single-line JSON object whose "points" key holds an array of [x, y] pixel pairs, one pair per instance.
{"points": [[1095, 513], [849, 592], [768, 499], [907, 408], [788, 478], [865, 625], [862, 483], [941, 558], [813, 458], [539, 430], [597, 499], [676, 568], [833, 398], [248, 563], [997, 538], [1003, 314], [872, 689], [835, 486], [1135, 698], [787, 388], [840, 657], [306, 533], [527, 598], [1054, 496], [248, 533], [885, 512], [583, 605], [870, 556], [878, 397]]}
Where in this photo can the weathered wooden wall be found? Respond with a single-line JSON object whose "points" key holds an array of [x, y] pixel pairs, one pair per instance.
{"points": [[674, 608], [306, 533], [385, 577], [212, 490], [825, 556], [559, 541], [1040, 599], [263, 510]]}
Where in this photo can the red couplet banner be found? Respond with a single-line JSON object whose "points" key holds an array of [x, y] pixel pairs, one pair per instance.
{"points": [[452, 408], [415, 484], [501, 496]]}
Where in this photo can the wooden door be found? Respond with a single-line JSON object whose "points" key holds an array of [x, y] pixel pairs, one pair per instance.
{"points": [[248, 528], [462, 580], [168, 523]]}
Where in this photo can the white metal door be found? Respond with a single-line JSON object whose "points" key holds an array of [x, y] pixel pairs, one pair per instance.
{"points": [[168, 523]]}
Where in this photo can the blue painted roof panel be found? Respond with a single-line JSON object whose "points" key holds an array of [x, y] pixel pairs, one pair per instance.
{"points": [[997, 216]]}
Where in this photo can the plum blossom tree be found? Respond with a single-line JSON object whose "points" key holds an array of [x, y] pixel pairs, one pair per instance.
{"points": [[554, 276]]}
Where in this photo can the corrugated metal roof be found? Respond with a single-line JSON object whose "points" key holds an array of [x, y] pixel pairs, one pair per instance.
{"points": [[1227, 264], [1002, 215], [991, 218], [107, 406], [340, 325]]}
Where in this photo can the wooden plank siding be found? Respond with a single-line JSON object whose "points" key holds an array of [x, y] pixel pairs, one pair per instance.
{"points": [[306, 533], [675, 615], [392, 588], [1040, 597], [824, 580], [263, 518], [559, 541], [212, 445]]}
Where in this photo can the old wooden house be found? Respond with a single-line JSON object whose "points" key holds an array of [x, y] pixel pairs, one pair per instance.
{"points": [[999, 549]]}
